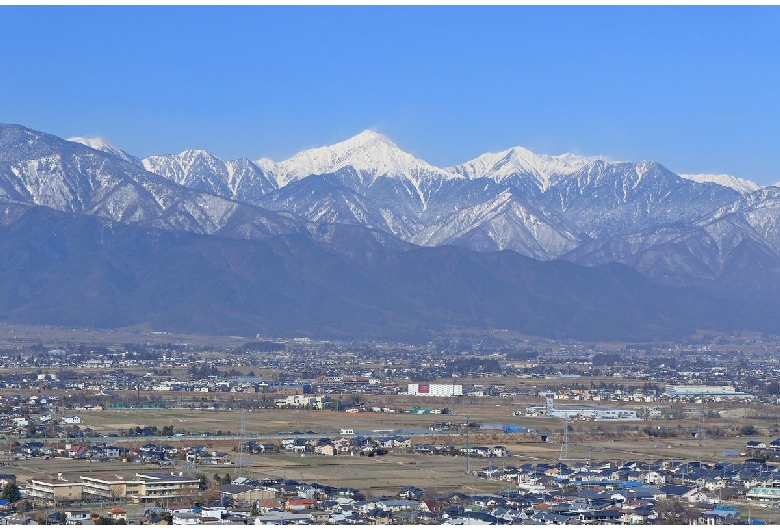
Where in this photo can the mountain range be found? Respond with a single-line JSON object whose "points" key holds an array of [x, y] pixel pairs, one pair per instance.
{"points": [[597, 232]]}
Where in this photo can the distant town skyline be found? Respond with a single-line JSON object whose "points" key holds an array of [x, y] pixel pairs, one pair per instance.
{"points": [[693, 88]]}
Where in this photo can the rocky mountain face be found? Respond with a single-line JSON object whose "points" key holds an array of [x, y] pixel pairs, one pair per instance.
{"points": [[43, 170], [541, 206], [366, 201]]}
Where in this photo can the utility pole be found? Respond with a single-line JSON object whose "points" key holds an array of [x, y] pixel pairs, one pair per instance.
{"points": [[565, 445], [240, 460], [468, 447], [701, 433]]}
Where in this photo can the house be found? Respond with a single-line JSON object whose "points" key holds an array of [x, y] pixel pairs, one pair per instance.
{"points": [[186, 517], [326, 449], [117, 514], [71, 419], [410, 492], [500, 451], [753, 444], [299, 504], [274, 517], [719, 515], [268, 505], [237, 492], [266, 448], [397, 505], [76, 517]]}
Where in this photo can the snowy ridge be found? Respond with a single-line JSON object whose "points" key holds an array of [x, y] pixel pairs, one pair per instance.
{"points": [[240, 179], [520, 161], [368, 180], [368, 152], [99, 144], [43, 170], [736, 183], [540, 205]]}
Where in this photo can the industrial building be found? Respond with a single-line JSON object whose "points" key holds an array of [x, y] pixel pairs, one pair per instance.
{"points": [[434, 389], [702, 390], [594, 414]]}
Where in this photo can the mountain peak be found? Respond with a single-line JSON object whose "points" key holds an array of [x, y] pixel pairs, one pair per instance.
{"points": [[95, 143], [519, 160], [368, 151], [99, 144], [194, 153], [368, 136], [739, 184]]}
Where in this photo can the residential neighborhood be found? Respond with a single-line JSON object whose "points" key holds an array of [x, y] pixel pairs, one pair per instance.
{"points": [[181, 433]]}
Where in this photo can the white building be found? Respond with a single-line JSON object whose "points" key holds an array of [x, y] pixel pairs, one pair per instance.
{"points": [[301, 401], [589, 414], [434, 389]]}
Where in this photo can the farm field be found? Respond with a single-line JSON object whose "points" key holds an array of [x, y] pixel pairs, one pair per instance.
{"points": [[587, 441]]}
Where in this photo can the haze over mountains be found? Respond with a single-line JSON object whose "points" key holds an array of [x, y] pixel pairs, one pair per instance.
{"points": [[361, 239]]}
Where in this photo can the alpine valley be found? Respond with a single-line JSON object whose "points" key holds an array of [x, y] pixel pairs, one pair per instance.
{"points": [[361, 240]]}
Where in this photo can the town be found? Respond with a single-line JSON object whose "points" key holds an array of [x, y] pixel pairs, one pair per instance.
{"points": [[493, 429]]}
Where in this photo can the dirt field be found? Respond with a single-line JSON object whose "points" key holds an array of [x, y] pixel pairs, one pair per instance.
{"points": [[587, 441]]}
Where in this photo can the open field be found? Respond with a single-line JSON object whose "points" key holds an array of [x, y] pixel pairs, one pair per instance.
{"points": [[14, 334], [588, 441]]}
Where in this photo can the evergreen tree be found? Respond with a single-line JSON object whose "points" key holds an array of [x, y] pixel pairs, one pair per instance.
{"points": [[11, 492]]}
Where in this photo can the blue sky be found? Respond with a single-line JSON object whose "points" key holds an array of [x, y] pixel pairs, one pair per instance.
{"points": [[695, 88]]}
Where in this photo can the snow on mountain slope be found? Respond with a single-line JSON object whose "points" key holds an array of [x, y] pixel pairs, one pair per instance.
{"points": [[371, 156], [757, 212], [319, 201], [518, 161], [103, 146], [605, 199], [736, 183], [540, 205], [241, 179], [503, 222], [740, 241], [43, 170]]}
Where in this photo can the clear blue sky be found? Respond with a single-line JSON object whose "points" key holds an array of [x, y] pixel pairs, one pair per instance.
{"points": [[695, 88]]}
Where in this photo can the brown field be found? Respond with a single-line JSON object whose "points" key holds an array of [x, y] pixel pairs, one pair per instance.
{"points": [[588, 441]]}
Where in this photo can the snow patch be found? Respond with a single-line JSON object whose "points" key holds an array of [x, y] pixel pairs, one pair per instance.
{"points": [[741, 185]]}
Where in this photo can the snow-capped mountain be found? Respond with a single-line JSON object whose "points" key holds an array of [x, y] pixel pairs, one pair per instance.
{"points": [[43, 170], [503, 222], [521, 164], [373, 206], [368, 180], [542, 206], [736, 183], [365, 163], [240, 180], [370, 154], [735, 248], [103, 146]]}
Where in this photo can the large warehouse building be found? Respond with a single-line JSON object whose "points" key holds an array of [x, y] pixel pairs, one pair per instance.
{"points": [[434, 389], [595, 414]]}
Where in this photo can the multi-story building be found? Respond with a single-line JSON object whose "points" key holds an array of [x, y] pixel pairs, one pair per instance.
{"points": [[143, 488], [53, 489], [110, 486], [434, 389], [163, 487], [301, 401]]}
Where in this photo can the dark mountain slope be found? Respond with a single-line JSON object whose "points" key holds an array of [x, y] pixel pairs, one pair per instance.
{"points": [[74, 270]]}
